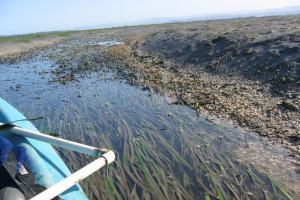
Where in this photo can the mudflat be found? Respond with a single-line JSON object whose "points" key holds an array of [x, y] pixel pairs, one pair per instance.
{"points": [[12, 48], [17, 47]]}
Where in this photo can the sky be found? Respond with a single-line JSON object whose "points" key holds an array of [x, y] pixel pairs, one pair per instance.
{"points": [[25, 16]]}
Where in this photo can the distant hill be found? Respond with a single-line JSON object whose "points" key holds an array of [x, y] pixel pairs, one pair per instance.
{"points": [[295, 10]]}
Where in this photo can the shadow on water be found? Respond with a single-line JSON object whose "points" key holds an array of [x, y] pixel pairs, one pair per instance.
{"points": [[163, 151]]}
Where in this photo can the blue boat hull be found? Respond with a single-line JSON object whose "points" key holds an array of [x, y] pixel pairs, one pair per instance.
{"points": [[45, 164]]}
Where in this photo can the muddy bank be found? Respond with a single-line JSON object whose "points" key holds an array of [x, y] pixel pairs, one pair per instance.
{"points": [[11, 51], [245, 71]]}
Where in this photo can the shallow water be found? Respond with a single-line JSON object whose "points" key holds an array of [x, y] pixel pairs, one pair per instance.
{"points": [[163, 151]]}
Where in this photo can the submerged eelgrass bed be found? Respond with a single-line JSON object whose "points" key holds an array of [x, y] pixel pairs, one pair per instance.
{"points": [[157, 158], [162, 151]]}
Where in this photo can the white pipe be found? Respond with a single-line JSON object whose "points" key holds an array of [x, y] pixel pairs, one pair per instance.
{"points": [[73, 179], [73, 146]]}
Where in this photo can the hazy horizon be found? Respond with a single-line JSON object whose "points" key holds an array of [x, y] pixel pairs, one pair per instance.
{"points": [[20, 16]]}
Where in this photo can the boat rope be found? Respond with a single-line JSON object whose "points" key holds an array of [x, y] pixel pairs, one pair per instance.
{"points": [[10, 124]]}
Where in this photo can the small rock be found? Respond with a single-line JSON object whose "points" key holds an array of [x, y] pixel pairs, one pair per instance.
{"points": [[289, 105], [294, 139]]}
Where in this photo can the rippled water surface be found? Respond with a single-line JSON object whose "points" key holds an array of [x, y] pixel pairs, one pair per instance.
{"points": [[163, 151]]}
